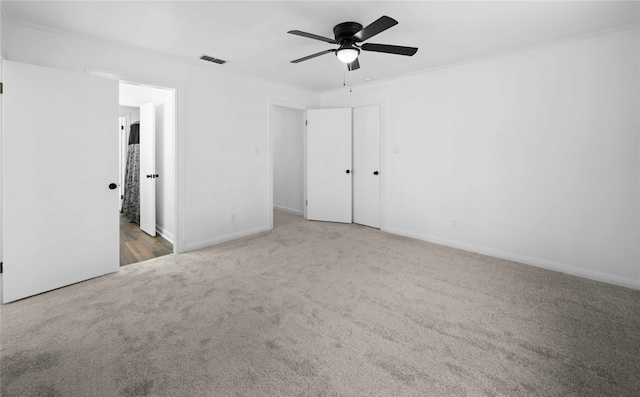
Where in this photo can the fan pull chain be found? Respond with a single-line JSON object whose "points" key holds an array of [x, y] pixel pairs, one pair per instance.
{"points": [[344, 78], [350, 80]]}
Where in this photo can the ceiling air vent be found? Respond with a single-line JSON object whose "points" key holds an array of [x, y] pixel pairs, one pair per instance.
{"points": [[212, 59]]}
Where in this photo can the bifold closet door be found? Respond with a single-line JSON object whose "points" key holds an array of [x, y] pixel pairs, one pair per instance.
{"points": [[366, 165], [329, 165], [60, 174]]}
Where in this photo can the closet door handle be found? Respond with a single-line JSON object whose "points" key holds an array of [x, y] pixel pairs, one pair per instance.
{"points": [[348, 171], [375, 172], [149, 176], [112, 186]]}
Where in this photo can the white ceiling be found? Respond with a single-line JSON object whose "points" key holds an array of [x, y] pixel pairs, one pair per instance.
{"points": [[252, 36]]}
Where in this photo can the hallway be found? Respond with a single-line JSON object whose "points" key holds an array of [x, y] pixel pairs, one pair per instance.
{"points": [[137, 246]]}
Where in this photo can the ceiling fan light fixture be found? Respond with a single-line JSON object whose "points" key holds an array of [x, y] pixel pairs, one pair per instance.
{"points": [[349, 34], [348, 54]]}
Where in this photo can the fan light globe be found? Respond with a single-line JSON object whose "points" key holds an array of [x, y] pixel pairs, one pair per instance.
{"points": [[347, 55]]}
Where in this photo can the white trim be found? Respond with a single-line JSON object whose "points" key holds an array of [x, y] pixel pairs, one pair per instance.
{"points": [[482, 58], [164, 233], [177, 88], [271, 103], [287, 209], [140, 50], [537, 262], [287, 104], [225, 238], [2, 56], [133, 79], [304, 164], [199, 63]]}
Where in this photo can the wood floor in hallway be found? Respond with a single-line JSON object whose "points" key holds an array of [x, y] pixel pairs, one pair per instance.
{"points": [[137, 246]]}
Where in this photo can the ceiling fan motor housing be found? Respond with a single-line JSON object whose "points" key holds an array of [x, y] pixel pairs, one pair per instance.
{"points": [[344, 32]]}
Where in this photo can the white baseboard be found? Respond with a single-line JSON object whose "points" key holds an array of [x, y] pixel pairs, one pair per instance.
{"points": [[225, 238], [542, 263], [287, 209], [164, 233]]}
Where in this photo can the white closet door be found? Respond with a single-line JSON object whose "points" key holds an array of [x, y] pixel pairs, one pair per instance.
{"points": [[60, 174], [148, 168], [366, 165], [329, 165]]}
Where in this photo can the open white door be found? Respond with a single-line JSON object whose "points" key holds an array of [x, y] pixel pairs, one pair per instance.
{"points": [[148, 168], [366, 166], [329, 165], [122, 158], [60, 153]]}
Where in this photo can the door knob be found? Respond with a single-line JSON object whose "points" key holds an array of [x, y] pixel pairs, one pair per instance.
{"points": [[112, 186], [375, 172], [348, 171], [149, 176]]}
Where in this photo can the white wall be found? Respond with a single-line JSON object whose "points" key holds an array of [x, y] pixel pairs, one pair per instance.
{"points": [[132, 111], [287, 128], [164, 102], [534, 154], [223, 119]]}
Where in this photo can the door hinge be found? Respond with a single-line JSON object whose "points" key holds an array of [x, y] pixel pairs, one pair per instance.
{"points": [[0, 88], [306, 202], [306, 122]]}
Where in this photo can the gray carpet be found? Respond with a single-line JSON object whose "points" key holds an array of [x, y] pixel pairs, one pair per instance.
{"points": [[321, 309]]}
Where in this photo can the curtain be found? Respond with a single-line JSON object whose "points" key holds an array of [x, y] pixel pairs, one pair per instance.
{"points": [[131, 201]]}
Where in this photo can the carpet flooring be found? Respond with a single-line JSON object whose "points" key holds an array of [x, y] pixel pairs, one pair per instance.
{"points": [[322, 309]]}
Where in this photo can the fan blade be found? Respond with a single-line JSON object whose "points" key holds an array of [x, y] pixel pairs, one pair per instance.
{"points": [[312, 36], [355, 65], [313, 56], [389, 49], [383, 23]]}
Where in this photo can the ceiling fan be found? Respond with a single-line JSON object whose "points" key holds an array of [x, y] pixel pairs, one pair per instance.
{"points": [[349, 34]]}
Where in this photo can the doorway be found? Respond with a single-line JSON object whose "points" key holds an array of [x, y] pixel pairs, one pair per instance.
{"points": [[287, 134], [363, 197], [147, 169], [82, 235], [287, 127], [344, 165]]}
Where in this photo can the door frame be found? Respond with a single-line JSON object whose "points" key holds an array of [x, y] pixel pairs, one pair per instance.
{"points": [[178, 140], [272, 102], [122, 146]]}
